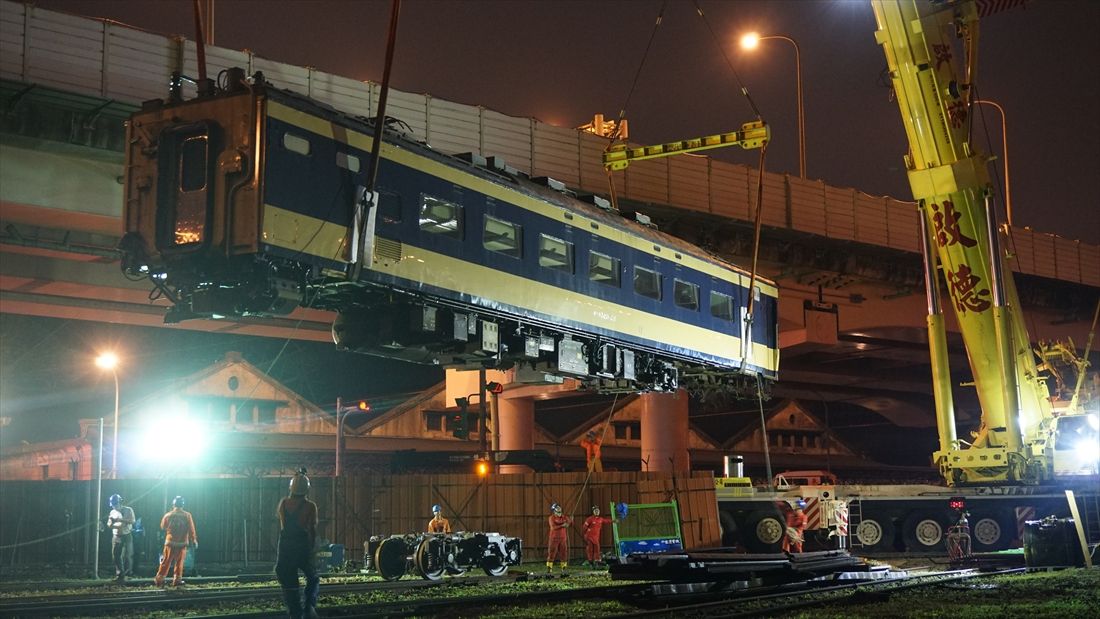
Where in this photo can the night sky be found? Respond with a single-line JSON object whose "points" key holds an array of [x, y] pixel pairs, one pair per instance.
{"points": [[562, 61]]}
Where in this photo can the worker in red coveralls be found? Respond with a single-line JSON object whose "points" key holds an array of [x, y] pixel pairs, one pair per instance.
{"points": [[179, 533], [593, 525], [591, 443], [796, 528], [557, 547]]}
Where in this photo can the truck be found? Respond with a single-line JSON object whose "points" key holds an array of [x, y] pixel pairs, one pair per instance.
{"points": [[1038, 438]]}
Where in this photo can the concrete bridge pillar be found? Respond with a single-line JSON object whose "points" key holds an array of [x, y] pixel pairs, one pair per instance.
{"points": [[516, 424], [664, 419]]}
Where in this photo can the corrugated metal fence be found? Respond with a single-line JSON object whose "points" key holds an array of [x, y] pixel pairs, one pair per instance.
{"points": [[50, 522], [112, 61]]}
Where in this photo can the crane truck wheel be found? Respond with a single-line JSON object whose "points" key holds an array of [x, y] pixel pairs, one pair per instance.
{"points": [[923, 532], [764, 531], [991, 531], [876, 534]]}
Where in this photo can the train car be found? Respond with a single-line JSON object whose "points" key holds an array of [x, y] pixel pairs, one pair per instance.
{"points": [[252, 201]]}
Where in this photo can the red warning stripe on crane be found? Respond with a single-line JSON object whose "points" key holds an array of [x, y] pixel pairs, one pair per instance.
{"points": [[813, 514], [841, 514], [989, 7]]}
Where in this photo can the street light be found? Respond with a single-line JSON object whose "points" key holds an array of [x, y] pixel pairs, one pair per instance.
{"points": [[362, 406], [1004, 150], [109, 361], [749, 42]]}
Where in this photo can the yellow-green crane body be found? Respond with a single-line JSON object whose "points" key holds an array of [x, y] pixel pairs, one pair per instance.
{"points": [[950, 181]]}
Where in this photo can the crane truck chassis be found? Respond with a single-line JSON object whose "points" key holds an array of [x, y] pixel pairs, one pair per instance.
{"points": [[886, 518]]}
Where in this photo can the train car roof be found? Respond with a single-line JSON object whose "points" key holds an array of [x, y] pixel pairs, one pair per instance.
{"points": [[566, 200]]}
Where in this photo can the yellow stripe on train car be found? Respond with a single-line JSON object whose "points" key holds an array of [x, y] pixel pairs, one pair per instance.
{"points": [[453, 274], [332, 131]]}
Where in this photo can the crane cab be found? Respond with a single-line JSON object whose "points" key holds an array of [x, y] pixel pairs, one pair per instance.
{"points": [[1077, 445]]}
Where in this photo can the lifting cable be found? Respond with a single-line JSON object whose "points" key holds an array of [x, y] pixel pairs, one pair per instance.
{"points": [[372, 176], [376, 146], [746, 334], [622, 111], [577, 497]]}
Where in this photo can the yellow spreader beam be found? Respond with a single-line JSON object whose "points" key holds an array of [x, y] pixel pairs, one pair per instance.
{"points": [[752, 135]]}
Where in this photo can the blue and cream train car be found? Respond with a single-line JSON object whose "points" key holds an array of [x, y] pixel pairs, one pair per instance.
{"points": [[251, 201]]}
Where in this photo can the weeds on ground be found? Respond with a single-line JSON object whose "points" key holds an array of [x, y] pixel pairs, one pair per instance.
{"points": [[1038, 595]]}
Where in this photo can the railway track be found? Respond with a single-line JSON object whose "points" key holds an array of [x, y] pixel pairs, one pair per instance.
{"points": [[55, 604], [778, 600], [448, 597]]}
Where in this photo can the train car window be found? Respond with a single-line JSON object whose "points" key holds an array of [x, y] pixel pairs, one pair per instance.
{"points": [[193, 164], [603, 269], [296, 143], [647, 283], [389, 207], [555, 253], [440, 216], [502, 236], [348, 162], [685, 294], [721, 305]]}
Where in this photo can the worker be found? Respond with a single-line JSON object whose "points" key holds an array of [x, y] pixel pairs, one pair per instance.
{"points": [[593, 525], [796, 528], [438, 524], [121, 523], [557, 547], [179, 533], [591, 443], [297, 537]]}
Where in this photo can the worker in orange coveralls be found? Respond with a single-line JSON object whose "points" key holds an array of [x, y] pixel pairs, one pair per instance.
{"points": [[593, 525], [796, 528], [591, 444], [179, 533], [297, 540], [557, 547], [438, 524]]}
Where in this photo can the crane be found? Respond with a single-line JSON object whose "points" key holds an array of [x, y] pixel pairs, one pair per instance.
{"points": [[930, 48]]}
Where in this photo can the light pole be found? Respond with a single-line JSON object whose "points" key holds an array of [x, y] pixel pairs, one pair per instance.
{"points": [[749, 42], [1004, 151], [109, 361]]}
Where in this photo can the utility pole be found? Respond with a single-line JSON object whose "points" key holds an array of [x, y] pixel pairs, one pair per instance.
{"points": [[98, 500], [482, 437]]}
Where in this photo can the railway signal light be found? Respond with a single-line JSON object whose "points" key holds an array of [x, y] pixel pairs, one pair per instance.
{"points": [[460, 421], [957, 503], [481, 467]]}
